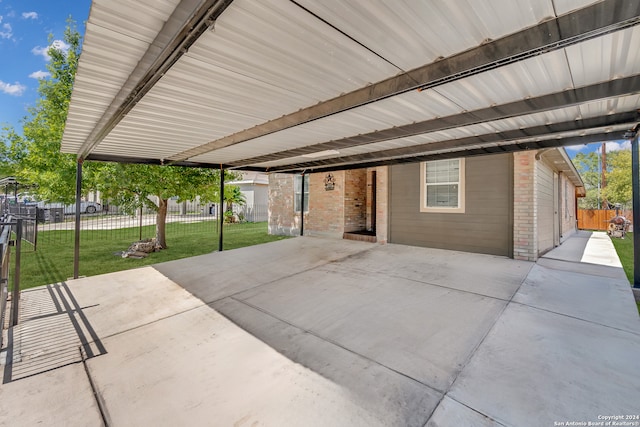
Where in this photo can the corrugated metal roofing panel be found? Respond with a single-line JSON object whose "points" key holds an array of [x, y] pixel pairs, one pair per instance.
{"points": [[565, 6], [412, 33], [608, 57], [266, 59], [264, 40], [115, 29], [535, 76]]}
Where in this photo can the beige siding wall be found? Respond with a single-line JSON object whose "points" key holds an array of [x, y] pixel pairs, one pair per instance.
{"points": [[485, 227], [545, 195], [568, 220]]}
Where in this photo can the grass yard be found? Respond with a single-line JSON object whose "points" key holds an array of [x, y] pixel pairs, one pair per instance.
{"points": [[624, 248], [53, 261]]}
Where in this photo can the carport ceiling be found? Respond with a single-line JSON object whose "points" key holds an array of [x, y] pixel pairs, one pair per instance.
{"points": [[291, 85]]}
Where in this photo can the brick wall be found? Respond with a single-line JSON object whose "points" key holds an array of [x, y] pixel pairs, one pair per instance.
{"points": [[355, 194], [330, 212], [326, 208], [525, 236]]}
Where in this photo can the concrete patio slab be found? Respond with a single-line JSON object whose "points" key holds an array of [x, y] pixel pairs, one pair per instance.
{"points": [[120, 301], [312, 331], [199, 369], [61, 397], [452, 413], [591, 247], [393, 398], [537, 367], [598, 299], [220, 274], [493, 276], [414, 328]]}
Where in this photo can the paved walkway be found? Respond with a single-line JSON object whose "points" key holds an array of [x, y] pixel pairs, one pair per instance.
{"points": [[311, 331]]}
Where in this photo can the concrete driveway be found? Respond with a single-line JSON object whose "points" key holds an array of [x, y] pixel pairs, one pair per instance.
{"points": [[311, 331]]}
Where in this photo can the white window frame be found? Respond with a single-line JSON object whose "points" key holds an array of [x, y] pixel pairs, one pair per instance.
{"points": [[296, 194], [461, 190]]}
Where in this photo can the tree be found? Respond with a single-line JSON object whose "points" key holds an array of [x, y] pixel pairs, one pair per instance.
{"points": [[618, 189], [618, 177], [132, 186], [34, 156], [233, 195], [588, 166]]}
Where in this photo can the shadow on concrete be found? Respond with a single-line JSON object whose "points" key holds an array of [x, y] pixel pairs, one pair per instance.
{"points": [[52, 332]]}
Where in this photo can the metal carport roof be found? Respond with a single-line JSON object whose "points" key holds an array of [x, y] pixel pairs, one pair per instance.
{"points": [[291, 85]]}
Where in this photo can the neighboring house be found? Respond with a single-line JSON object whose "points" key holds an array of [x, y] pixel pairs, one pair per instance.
{"points": [[255, 188], [518, 205]]}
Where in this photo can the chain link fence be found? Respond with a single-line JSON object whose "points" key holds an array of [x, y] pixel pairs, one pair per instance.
{"points": [[113, 223]]}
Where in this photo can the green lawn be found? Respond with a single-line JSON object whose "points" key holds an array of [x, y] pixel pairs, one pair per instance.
{"points": [[624, 248], [53, 260]]}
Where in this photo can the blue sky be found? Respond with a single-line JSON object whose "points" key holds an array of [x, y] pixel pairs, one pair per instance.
{"points": [[25, 26], [596, 146]]}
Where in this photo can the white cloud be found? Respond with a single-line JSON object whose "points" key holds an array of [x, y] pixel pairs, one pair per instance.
{"points": [[12, 89], [6, 32], [39, 74], [30, 15], [617, 146], [58, 44], [576, 147]]}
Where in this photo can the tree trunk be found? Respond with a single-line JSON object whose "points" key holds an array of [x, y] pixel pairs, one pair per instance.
{"points": [[161, 222]]}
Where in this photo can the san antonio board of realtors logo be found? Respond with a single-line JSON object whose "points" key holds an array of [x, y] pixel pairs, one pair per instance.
{"points": [[329, 182]]}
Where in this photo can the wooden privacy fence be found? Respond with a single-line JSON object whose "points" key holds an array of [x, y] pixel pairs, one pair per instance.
{"points": [[598, 219]]}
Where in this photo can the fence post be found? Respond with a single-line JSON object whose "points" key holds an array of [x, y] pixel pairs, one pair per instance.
{"points": [[15, 295], [3, 289]]}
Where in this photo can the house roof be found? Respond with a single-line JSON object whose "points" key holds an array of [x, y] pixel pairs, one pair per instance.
{"points": [[252, 178], [561, 162], [292, 85]]}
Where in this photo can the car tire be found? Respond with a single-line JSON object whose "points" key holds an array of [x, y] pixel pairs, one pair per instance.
{"points": [[91, 209]]}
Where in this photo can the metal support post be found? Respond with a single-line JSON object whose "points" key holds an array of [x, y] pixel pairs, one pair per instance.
{"points": [[221, 210], [76, 248], [635, 185], [302, 205]]}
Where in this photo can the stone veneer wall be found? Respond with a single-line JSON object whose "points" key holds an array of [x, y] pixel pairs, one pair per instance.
{"points": [[282, 220]]}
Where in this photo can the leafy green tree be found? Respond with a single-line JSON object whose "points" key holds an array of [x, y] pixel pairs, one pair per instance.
{"points": [[35, 158], [588, 166], [618, 175], [34, 155], [132, 186]]}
